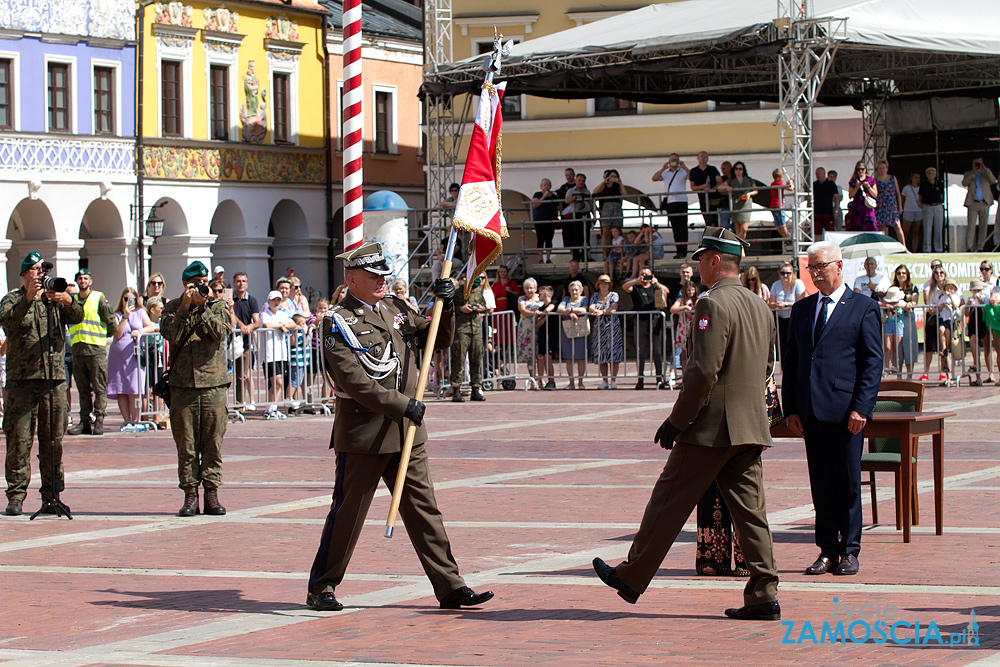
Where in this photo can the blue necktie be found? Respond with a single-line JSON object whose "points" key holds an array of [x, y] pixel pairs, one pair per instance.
{"points": [[821, 320]]}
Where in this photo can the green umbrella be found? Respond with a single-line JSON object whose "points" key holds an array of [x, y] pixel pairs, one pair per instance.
{"points": [[870, 244]]}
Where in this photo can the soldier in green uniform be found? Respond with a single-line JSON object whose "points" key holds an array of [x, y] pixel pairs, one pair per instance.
{"points": [[370, 344], [196, 328], [720, 426], [24, 317], [90, 353], [468, 339]]}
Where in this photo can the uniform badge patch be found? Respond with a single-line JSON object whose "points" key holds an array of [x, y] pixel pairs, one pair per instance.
{"points": [[329, 341], [399, 319], [350, 319], [702, 324]]}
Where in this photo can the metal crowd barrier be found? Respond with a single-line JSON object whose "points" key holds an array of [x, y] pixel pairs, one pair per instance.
{"points": [[644, 337], [500, 351], [151, 352], [279, 370]]}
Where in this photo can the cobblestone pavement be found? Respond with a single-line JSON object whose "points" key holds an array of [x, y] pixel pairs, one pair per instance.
{"points": [[533, 485]]}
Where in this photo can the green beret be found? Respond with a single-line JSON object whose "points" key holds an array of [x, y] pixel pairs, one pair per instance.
{"points": [[195, 270], [81, 272], [30, 260]]}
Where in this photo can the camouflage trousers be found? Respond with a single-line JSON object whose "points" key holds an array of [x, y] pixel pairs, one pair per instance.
{"points": [[198, 420], [27, 405], [471, 343], [91, 376]]}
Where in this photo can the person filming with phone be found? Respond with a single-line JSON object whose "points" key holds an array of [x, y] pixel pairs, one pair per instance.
{"points": [[978, 200], [24, 316]]}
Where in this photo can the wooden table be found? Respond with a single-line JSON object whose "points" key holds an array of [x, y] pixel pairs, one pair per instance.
{"points": [[906, 427]]}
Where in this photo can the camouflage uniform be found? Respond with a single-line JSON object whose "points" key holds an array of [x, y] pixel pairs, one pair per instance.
{"points": [[90, 367], [26, 325], [468, 337], [198, 382]]}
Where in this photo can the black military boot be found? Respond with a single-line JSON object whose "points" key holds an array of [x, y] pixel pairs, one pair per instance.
{"points": [[83, 428], [456, 396], [212, 506], [477, 394], [190, 507], [13, 507], [97, 428]]}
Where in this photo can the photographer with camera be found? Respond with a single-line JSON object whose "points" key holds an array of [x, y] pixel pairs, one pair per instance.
{"points": [[978, 200], [24, 316], [468, 339], [196, 327], [89, 341], [576, 231]]}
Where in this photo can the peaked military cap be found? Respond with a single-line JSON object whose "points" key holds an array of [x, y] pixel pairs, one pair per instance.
{"points": [[368, 257], [721, 240], [195, 270], [30, 260]]}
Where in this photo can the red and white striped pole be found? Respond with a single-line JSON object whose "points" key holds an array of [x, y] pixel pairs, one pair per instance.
{"points": [[353, 124]]}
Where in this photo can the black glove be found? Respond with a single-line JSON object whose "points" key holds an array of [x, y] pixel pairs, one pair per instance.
{"points": [[665, 434], [415, 411], [444, 289]]}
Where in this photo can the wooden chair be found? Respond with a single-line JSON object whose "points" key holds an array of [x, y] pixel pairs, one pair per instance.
{"points": [[883, 454]]}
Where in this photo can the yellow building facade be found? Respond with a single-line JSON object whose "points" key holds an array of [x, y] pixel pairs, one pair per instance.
{"points": [[234, 137]]}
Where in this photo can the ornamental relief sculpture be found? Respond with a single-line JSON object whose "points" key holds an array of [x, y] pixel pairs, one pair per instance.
{"points": [[174, 13], [221, 19]]}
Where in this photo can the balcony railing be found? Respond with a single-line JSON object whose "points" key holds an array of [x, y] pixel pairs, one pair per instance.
{"points": [[44, 154]]}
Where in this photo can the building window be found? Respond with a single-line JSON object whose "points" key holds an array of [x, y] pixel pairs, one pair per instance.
{"points": [[281, 99], [59, 97], [171, 99], [104, 99], [219, 102], [6, 95], [614, 106], [383, 122]]}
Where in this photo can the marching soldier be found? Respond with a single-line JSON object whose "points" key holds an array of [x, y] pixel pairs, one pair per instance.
{"points": [[24, 317], [196, 328], [468, 340], [370, 345], [719, 423], [89, 342]]}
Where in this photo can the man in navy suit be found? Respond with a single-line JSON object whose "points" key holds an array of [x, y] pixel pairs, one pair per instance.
{"points": [[830, 379]]}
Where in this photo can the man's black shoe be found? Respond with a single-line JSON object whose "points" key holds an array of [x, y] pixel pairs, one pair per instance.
{"points": [[13, 507], [768, 611], [97, 428], [323, 602], [477, 394], [456, 396], [465, 597], [848, 565], [610, 577], [822, 565]]}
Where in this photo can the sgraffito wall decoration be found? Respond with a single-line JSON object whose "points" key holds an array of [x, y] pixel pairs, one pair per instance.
{"points": [[228, 164]]}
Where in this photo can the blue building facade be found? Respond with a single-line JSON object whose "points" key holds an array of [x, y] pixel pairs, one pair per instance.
{"points": [[67, 136]]}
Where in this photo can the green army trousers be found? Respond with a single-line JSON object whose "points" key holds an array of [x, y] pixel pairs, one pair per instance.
{"points": [[27, 405], [198, 420]]}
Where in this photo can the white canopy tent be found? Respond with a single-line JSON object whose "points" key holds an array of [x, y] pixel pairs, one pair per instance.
{"points": [[724, 50]]}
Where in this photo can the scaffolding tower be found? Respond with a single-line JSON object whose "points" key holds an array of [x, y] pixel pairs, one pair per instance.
{"points": [[802, 66]]}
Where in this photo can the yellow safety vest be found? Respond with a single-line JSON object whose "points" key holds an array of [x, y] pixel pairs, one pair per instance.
{"points": [[92, 330]]}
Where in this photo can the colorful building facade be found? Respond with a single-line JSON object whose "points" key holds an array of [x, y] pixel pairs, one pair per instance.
{"points": [[67, 136], [234, 138]]}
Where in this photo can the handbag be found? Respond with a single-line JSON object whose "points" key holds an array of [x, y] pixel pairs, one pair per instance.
{"points": [[234, 350], [772, 402], [161, 388], [579, 328], [870, 201]]}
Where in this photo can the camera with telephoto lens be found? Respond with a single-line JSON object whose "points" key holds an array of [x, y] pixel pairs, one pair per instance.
{"points": [[202, 289], [50, 284]]}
